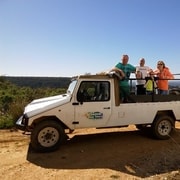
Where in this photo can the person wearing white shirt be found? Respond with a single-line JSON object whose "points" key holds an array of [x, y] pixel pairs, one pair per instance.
{"points": [[141, 73]]}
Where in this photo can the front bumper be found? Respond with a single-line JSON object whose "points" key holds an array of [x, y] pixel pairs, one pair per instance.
{"points": [[20, 124]]}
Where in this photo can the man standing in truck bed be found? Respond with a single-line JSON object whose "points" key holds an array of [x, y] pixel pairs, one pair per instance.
{"points": [[127, 69], [141, 73]]}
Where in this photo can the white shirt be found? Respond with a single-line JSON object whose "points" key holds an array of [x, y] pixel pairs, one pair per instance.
{"points": [[144, 73]]}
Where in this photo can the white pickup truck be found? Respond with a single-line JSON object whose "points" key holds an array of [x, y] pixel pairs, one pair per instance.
{"points": [[92, 101]]}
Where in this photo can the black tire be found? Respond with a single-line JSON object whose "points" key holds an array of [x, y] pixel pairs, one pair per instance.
{"points": [[47, 136], [162, 127]]}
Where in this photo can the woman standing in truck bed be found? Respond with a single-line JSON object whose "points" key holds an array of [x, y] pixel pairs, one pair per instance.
{"points": [[163, 73]]}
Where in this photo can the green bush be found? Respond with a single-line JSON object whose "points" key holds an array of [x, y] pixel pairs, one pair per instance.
{"points": [[6, 122], [13, 99]]}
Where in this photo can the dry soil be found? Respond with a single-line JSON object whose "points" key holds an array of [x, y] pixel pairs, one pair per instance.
{"points": [[120, 153]]}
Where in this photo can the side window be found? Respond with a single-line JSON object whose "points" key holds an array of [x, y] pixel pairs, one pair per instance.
{"points": [[94, 91]]}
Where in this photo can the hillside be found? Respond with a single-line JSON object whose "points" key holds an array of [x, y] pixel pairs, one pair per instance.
{"points": [[39, 82]]}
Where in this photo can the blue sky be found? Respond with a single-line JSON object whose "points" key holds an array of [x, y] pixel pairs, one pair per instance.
{"points": [[64, 38]]}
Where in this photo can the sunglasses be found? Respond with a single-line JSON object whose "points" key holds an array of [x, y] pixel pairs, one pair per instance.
{"points": [[159, 64]]}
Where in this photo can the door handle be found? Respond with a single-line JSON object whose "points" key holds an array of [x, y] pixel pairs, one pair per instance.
{"points": [[106, 108], [75, 103]]}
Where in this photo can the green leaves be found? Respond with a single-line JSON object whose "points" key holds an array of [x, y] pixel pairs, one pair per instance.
{"points": [[14, 98]]}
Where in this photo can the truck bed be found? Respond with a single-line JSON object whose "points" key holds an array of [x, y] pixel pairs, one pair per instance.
{"points": [[154, 98]]}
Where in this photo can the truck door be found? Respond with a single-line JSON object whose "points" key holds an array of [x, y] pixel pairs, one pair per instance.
{"points": [[93, 107]]}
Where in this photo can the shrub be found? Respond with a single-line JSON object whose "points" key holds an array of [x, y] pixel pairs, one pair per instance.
{"points": [[6, 122], [13, 99]]}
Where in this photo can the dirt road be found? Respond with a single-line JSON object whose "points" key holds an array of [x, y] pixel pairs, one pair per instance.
{"points": [[125, 153]]}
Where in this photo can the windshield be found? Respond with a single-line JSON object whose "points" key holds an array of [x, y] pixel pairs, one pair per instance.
{"points": [[71, 87]]}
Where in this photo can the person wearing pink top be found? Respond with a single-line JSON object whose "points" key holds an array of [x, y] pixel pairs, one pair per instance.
{"points": [[163, 73]]}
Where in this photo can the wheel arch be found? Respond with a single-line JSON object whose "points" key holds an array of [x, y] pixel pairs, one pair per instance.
{"points": [[51, 118], [165, 113]]}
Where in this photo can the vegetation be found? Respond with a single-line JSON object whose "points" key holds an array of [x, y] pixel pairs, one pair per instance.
{"points": [[13, 99], [39, 82]]}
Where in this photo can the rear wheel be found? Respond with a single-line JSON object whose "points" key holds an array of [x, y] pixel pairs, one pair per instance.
{"points": [[162, 127], [47, 136]]}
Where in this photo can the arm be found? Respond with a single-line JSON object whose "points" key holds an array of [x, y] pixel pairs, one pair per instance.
{"points": [[118, 71], [168, 75]]}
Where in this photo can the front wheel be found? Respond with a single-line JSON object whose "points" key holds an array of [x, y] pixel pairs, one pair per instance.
{"points": [[163, 127], [47, 136]]}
